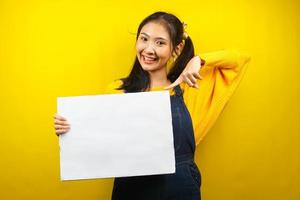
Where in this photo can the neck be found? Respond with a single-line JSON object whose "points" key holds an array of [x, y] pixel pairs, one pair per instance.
{"points": [[159, 78]]}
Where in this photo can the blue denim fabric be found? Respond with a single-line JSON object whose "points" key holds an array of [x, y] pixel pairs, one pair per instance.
{"points": [[185, 183]]}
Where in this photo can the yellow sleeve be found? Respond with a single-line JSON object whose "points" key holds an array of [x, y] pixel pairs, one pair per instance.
{"points": [[112, 86], [222, 72]]}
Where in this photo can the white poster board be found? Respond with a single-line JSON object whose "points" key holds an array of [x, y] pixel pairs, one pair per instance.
{"points": [[116, 135]]}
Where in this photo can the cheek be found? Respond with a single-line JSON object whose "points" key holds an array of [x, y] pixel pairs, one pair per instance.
{"points": [[164, 53], [139, 47]]}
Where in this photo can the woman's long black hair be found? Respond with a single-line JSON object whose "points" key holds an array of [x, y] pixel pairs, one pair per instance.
{"points": [[139, 79]]}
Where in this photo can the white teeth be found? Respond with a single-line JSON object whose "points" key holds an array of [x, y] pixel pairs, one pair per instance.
{"points": [[148, 59]]}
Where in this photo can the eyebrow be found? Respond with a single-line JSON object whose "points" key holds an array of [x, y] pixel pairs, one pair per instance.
{"points": [[155, 38]]}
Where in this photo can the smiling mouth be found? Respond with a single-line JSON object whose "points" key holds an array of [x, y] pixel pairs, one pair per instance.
{"points": [[148, 60]]}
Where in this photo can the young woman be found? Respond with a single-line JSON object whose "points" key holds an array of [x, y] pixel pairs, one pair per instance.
{"points": [[196, 101]]}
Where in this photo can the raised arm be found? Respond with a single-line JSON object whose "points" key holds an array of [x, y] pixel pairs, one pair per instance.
{"points": [[222, 72], [225, 59]]}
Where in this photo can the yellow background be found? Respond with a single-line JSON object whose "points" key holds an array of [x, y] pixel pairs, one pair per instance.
{"points": [[57, 48]]}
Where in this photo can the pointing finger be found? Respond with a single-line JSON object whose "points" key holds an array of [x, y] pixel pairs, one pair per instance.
{"points": [[174, 84]]}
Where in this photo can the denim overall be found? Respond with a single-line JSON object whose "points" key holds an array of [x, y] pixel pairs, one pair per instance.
{"points": [[185, 183]]}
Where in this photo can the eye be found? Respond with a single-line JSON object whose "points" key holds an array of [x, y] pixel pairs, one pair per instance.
{"points": [[143, 38], [160, 43]]}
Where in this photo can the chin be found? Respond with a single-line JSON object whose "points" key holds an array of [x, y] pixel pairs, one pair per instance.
{"points": [[147, 67], [150, 68]]}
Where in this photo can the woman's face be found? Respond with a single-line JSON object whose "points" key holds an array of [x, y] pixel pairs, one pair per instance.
{"points": [[154, 47]]}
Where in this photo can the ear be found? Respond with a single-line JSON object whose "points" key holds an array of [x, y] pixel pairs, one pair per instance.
{"points": [[178, 49]]}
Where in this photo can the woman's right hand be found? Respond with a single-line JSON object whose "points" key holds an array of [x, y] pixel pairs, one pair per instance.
{"points": [[61, 125]]}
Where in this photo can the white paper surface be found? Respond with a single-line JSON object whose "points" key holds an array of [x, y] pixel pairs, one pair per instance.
{"points": [[116, 135]]}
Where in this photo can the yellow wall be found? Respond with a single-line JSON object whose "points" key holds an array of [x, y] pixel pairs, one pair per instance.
{"points": [[57, 48]]}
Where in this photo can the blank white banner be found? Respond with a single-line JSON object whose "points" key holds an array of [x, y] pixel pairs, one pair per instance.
{"points": [[116, 135]]}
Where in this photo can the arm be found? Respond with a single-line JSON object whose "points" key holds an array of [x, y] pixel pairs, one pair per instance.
{"points": [[222, 73], [225, 59]]}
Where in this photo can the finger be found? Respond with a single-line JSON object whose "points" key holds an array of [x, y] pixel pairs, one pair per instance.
{"points": [[192, 78], [56, 116], [59, 122], [197, 75], [60, 118], [61, 127], [56, 121], [188, 81], [174, 84], [192, 83], [61, 131]]}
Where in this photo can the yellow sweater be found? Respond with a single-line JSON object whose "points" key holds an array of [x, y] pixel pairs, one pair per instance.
{"points": [[222, 72]]}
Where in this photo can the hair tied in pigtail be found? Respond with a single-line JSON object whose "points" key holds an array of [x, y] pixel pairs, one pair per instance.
{"points": [[185, 35]]}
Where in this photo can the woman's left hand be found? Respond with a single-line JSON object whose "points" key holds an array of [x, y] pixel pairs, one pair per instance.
{"points": [[189, 75]]}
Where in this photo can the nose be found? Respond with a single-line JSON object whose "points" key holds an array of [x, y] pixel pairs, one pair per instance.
{"points": [[149, 49]]}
